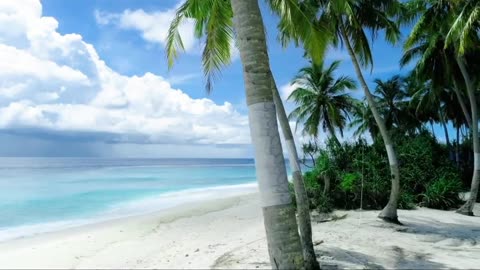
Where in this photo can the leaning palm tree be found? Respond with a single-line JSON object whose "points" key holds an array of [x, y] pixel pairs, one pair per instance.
{"points": [[348, 20], [216, 21], [458, 24], [463, 37], [322, 99]]}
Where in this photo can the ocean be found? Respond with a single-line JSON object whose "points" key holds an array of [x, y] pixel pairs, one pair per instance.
{"points": [[46, 194]]}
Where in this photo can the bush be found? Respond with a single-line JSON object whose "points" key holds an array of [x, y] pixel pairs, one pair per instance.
{"points": [[360, 175], [442, 193]]}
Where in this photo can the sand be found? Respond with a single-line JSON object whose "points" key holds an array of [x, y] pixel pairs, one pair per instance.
{"points": [[229, 233]]}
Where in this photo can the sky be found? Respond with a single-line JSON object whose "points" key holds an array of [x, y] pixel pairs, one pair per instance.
{"points": [[90, 78]]}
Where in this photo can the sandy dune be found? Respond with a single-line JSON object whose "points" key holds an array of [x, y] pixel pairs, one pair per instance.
{"points": [[228, 233]]}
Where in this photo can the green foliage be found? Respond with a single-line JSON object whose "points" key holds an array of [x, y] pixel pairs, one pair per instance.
{"points": [[350, 181], [442, 193], [360, 175], [322, 203]]}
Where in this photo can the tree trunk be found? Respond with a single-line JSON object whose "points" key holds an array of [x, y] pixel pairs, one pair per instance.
{"points": [[447, 138], [457, 149], [467, 208], [326, 188], [389, 213], [303, 207], [284, 245], [431, 126], [313, 159], [465, 111], [333, 136]]}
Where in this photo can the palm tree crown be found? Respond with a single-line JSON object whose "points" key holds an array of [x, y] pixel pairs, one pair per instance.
{"points": [[321, 99]]}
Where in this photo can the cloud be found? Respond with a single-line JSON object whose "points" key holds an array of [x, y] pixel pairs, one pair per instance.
{"points": [[286, 90], [153, 26], [57, 84]]}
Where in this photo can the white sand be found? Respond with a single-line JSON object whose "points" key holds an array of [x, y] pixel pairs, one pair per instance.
{"points": [[229, 233]]}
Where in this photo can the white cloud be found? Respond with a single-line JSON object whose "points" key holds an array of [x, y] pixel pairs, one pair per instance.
{"points": [[59, 83], [286, 89], [152, 25]]}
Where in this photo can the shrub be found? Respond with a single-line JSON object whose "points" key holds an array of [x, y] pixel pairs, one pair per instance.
{"points": [[428, 176], [442, 193]]}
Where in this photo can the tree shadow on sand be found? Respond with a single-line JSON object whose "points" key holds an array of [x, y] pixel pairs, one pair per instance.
{"points": [[469, 232], [336, 258]]}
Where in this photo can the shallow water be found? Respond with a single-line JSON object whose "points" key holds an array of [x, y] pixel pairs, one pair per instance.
{"points": [[45, 194]]}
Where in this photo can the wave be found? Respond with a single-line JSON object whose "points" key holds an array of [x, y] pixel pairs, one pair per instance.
{"points": [[133, 208]]}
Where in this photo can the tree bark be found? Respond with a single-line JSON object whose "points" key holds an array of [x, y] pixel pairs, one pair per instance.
{"points": [[431, 126], [303, 207], [326, 188], [465, 111], [313, 159], [467, 208], [457, 149], [284, 245], [447, 137], [389, 213], [333, 135]]}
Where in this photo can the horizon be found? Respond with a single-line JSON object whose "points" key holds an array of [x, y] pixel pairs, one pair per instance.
{"points": [[69, 90]]}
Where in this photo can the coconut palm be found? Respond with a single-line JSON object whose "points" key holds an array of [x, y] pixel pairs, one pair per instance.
{"points": [[349, 20], [458, 23], [463, 36], [215, 21], [363, 120], [322, 99], [390, 95], [435, 64]]}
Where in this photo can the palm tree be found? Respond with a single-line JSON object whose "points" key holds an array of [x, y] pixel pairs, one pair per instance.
{"points": [[216, 21], [390, 95], [348, 20], [311, 149], [463, 36], [456, 23], [363, 120], [321, 99]]}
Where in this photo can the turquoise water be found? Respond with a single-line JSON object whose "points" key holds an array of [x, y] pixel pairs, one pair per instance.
{"points": [[44, 194]]}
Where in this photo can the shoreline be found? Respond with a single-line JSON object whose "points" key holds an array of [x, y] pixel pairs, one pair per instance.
{"points": [[88, 246], [136, 208], [228, 233]]}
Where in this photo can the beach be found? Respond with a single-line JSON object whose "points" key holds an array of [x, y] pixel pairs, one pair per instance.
{"points": [[229, 233]]}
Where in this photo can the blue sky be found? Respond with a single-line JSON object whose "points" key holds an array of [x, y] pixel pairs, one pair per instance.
{"points": [[99, 84]]}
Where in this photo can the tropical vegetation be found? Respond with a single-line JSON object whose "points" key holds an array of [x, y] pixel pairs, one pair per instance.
{"points": [[394, 159]]}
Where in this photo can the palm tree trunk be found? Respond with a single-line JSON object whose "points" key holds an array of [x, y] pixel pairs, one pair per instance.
{"points": [[457, 149], [303, 208], [467, 208], [466, 113], [284, 245], [313, 159], [431, 126], [326, 188], [333, 136], [445, 129], [389, 213]]}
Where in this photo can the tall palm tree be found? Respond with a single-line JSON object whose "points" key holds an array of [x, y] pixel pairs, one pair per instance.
{"points": [[322, 99], [363, 120], [216, 22], [348, 20], [463, 36], [457, 23], [434, 64], [390, 95]]}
